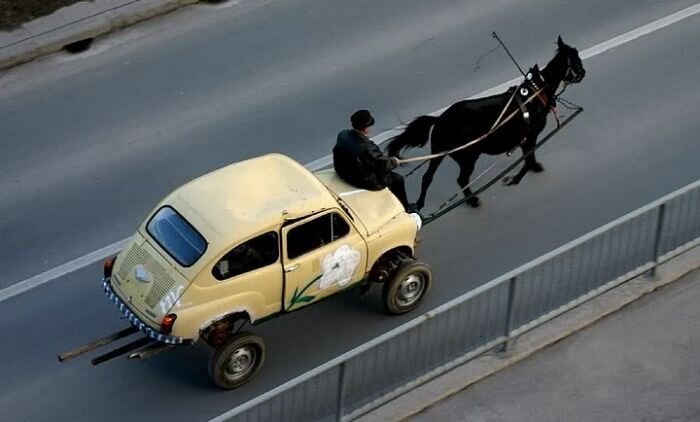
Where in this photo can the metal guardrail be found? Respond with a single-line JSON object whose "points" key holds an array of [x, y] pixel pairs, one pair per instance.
{"points": [[488, 317]]}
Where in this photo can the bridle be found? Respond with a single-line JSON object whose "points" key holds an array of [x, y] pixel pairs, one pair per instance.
{"points": [[571, 76], [536, 81]]}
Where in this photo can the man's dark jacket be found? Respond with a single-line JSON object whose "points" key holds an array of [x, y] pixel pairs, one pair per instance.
{"points": [[360, 162]]}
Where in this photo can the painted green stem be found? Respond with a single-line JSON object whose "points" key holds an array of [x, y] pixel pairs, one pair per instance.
{"points": [[298, 297]]}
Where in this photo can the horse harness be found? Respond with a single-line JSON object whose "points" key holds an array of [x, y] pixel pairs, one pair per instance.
{"points": [[536, 82], [521, 94], [530, 79]]}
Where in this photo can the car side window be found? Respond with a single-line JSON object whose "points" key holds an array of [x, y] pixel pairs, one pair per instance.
{"points": [[315, 234], [255, 253], [340, 227]]}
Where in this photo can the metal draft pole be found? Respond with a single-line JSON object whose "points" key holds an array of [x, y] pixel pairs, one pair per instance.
{"points": [[97, 344]]}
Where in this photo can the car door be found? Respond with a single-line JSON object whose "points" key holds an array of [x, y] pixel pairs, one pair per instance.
{"points": [[322, 255], [248, 276]]}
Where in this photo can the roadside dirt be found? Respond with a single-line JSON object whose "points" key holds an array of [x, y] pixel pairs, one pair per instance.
{"points": [[13, 13]]}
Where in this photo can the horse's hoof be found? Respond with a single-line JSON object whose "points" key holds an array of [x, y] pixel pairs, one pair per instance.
{"points": [[537, 168], [473, 201], [509, 181]]}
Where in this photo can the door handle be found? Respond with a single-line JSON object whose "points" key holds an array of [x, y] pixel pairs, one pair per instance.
{"points": [[292, 268]]}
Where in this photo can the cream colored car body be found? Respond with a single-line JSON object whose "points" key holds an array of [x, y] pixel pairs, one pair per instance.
{"points": [[229, 206]]}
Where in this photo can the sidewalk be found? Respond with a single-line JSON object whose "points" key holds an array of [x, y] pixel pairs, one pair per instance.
{"points": [[639, 364], [81, 21]]}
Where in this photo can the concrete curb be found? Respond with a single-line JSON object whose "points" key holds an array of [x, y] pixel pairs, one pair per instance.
{"points": [[529, 343], [83, 20]]}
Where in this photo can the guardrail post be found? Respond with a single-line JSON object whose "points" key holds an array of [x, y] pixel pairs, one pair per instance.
{"points": [[657, 239], [341, 396], [509, 314]]}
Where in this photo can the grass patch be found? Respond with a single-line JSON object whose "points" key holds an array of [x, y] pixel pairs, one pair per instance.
{"points": [[14, 13]]}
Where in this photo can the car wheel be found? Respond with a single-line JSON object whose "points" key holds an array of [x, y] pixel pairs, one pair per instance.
{"points": [[406, 288], [237, 360]]}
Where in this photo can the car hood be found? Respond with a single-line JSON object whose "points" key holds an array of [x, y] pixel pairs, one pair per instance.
{"points": [[373, 208]]}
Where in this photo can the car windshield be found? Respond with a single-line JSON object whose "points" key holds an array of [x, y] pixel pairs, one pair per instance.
{"points": [[177, 236]]}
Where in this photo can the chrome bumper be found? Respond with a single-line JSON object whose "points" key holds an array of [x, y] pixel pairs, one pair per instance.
{"points": [[136, 322]]}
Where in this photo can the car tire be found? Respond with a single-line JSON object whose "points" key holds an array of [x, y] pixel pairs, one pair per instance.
{"points": [[237, 361], [406, 288]]}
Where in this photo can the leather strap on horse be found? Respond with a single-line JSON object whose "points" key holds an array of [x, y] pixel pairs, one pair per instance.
{"points": [[510, 100], [474, 141], [553, 107], [521, 105]]}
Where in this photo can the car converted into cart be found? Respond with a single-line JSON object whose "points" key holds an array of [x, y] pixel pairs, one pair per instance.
{"points": [[248, 242]]}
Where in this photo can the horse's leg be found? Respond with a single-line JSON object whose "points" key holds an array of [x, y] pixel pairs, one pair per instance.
{"points": [[466, 164], [534, 164], [529, 145], [528, 149], [427, 180]]}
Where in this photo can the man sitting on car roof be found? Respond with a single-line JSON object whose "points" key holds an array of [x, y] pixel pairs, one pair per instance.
{"points": [[361, 163]]}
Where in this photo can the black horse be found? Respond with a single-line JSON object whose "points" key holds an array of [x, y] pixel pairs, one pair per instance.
{"points": [[469, 119]]}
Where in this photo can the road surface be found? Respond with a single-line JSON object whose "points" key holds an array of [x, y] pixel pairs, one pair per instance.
{"points": [[91, 143]]}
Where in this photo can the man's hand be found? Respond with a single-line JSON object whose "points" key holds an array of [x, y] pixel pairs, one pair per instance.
{"points": [[394, 162]]}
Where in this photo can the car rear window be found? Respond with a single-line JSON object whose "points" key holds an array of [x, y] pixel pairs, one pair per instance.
{"points": [[176, 236]]}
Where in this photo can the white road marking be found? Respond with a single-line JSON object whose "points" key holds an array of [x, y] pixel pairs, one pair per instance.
{"points": [[61, 270], [85, 260], [642, 30]]}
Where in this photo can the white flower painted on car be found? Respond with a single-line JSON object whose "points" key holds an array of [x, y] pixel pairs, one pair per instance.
{"points": [[338, 267]]}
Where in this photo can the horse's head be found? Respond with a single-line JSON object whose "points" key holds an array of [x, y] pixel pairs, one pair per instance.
{"points": [[572, 66]]}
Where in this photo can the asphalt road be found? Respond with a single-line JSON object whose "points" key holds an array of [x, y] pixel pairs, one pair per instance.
{"points": [[90, 143]]}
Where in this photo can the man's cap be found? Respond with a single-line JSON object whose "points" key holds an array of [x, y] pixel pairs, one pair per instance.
{"points": [[361, 119]]}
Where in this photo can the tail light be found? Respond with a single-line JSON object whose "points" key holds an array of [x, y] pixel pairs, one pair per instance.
{"points": [[166, 326], [109, 265]]}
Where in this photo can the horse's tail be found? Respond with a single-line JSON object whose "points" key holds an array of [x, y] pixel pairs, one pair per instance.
{"points": [[415, 135]]}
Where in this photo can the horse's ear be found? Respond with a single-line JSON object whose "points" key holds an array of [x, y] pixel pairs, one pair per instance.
{"points": [[560, 42]]}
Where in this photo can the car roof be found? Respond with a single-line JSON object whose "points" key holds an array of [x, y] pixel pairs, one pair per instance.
{"points": [[244, 198]]}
